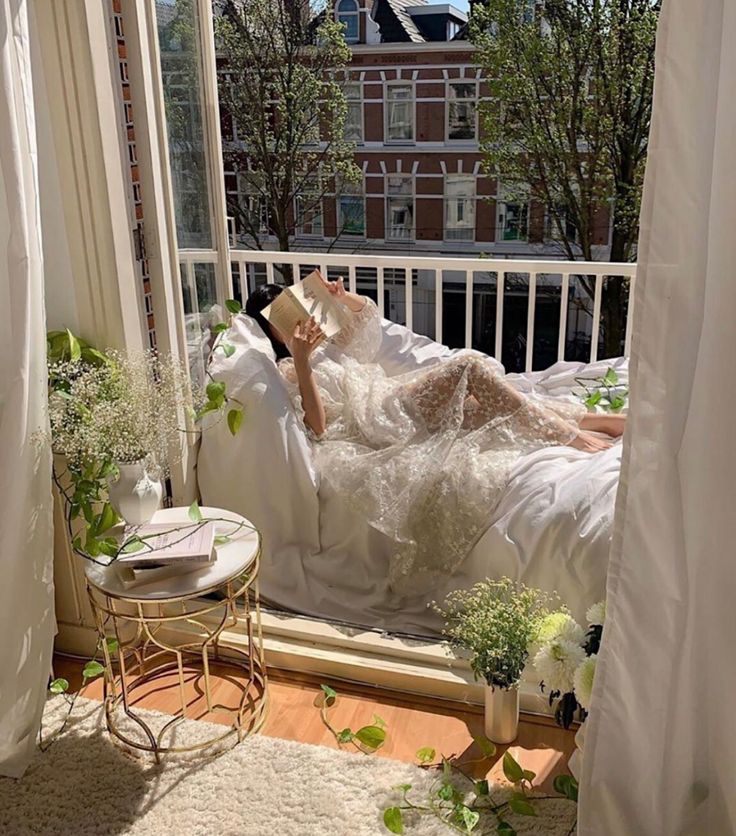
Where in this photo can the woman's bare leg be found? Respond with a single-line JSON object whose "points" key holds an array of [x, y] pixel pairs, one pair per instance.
{"points": [[612, 425]]}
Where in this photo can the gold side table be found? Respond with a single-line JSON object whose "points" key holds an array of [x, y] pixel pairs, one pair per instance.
{"points": [[167, 626]]}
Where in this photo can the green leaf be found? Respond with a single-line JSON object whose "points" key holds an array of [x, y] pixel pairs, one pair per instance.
{"points": [[482, 787], [393, 820], [92, 669], [371, 736], [135, 544], [446, 792], [210, 406], [195, 515], [426, 754], [511, 768], [221, 539], [216, 392], [379, 721], [521, 806], [403, 788], [59, 686], [91, 545], [593, 399], [234, 420], [109, 547], [610, 378], [233, 306], [618, 403], [227, 349], [566, 785], [75, 350], [219, 328], [345, 736], [505, 829], [330, 693], [529, 775], [112, 645], [106, 519], [467, 818], [487, 747]]}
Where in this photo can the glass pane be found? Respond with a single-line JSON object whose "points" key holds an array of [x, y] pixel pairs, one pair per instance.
{"points": [[201, 313], [181, 71]]}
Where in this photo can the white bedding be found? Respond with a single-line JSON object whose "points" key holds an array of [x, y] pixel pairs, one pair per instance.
{"points": [[551, 528]]}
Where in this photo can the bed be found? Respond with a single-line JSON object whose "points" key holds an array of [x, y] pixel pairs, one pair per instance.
{"points": [[551, 528]]}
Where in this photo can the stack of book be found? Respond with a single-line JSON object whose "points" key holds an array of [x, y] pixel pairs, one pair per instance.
{"points": [[165, 550]]}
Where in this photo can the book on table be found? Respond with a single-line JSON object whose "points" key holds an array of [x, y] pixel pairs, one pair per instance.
{"points": [[310, 297], [162, 544]]}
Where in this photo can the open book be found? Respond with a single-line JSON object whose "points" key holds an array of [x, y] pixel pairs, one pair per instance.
{"points": [[304, 299]]}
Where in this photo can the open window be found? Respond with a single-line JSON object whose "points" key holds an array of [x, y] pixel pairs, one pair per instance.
{"points": [[348, 14]]}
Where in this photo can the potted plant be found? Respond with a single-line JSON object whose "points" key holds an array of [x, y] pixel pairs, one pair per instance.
{"points": [[495, 622]]}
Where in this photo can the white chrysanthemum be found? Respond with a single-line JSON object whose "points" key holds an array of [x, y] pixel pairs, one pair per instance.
{"points": [[596, 614], [555, 627], [583, 680], [556, 663]]}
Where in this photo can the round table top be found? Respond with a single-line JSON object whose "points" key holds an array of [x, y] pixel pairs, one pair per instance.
{"points": [[232, 560]]}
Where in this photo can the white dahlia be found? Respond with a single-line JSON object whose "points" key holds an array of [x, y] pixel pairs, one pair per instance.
{"points": [[583, 680], [596, 614], [556, 663]]}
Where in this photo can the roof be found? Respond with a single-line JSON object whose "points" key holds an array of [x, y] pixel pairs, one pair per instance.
{"points": [[400, 9]]}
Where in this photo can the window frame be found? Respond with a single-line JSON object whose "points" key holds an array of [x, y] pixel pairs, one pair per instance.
{"points": [[448, 84], [472, 199], [501, 204], [387, 85], [357, 193], [359, 100], [354, 13], [387, 211]]}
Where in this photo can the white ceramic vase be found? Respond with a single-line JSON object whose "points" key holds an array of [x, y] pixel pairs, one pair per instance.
{"points": [[134, 494], [502, 714]]}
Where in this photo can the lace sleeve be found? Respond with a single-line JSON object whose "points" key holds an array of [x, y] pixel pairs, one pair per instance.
{"points": [[567, 410], [361, 337], [288, 373]]}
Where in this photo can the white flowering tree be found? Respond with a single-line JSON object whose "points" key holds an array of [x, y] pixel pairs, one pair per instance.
{"points": [[283, 73]]}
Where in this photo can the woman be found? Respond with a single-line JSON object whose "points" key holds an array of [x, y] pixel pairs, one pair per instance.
{"points": [[424, 456]]}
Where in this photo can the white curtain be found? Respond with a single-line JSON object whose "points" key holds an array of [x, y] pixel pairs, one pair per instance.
{"points": [[26, 543], [660, 749]]}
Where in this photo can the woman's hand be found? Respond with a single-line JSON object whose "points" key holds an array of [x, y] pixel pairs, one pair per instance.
{"points": [[589, 443], [337, 289], [306, 337]]}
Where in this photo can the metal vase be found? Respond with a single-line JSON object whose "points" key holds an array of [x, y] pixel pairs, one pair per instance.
{"points": [[502, 714]]}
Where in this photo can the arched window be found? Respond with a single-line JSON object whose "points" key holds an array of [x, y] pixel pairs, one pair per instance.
{"points": [[349, 16]]}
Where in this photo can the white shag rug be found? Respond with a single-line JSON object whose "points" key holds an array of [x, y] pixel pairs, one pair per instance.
{"points": [[84, 785]]}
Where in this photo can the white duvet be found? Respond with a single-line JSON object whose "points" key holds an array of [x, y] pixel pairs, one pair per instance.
{"points": [[551, 529]]}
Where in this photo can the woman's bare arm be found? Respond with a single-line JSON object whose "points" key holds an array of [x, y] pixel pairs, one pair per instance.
{"points": [[301, 345]]}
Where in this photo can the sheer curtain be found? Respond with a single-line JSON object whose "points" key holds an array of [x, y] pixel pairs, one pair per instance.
{"points": [[26, 549], [660, 749]]}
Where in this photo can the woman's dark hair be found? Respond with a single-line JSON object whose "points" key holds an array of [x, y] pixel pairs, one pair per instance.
{"points": [[256, 302]]}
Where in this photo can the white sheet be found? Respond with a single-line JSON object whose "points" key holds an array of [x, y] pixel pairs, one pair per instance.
{"points": [[551, 529]]}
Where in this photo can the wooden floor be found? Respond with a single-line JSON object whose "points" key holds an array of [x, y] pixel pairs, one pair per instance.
{"points": [[412, 722]]}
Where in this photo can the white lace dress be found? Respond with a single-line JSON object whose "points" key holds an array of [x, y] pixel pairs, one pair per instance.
{"points": [[424, 457]]}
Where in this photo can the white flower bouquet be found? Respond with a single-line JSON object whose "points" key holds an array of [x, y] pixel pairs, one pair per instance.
{"points": [[565, 656]]}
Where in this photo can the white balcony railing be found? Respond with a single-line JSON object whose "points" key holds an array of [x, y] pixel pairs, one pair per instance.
{"points": [[416, 288]]}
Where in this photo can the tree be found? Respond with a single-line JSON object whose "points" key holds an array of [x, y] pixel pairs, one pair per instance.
{"points": [[568, 119], [285, 69]]}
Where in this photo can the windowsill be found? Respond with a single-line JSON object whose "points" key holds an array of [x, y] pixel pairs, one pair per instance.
{"points": [[407, 142]]}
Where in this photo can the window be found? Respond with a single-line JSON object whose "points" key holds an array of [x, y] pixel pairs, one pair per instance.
{"points": [[513, 221], [351, 210], [399, 113], [354, 117], [349, 16], [308, 210], [460, 207], [554, 219], [462, 110], [399, 207]]}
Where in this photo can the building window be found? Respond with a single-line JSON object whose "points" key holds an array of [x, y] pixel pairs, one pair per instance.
{"points": [[354, 117], [399, 113], [513, 221], [462, 110], [349, 16], [460, 207], [351, 210], [308, 210], [555, 219], [400, 207]]}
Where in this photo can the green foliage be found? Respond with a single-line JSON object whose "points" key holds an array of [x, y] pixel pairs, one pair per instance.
{"points": [[426, 755], [512, 769], [495, 621], [92, 669], [366, 739], [605, 392], [566, 785], [194, 513], [393, 819], [486, 746], [59, 686]]}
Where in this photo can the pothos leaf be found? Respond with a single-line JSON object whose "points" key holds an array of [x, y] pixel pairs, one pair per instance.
{"points": [[75, 349], [505, 829], [345, 736], [426, 754], [330, 693], [233, 306], [59, 686], [566, 785], [234, 420], [112, 645], [521, 806], [467, 818], [482, 787], [371, 736], [92, 669], [487, 747], [393, 820], [227, 349], [222, 539], [511, 768], [195, 514]]}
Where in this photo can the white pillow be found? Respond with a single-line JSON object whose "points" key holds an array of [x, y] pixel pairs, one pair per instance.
{"points": [[266, 471]]}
